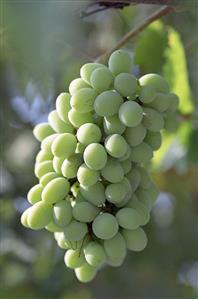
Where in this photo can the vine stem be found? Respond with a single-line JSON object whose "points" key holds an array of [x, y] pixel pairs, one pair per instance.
{"points": [[135, 31]]}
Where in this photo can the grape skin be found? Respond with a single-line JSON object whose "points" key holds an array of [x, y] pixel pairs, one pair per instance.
{"points": [[95, 156], [94, 254], [107, 103], [130, 114], [105, 226]]}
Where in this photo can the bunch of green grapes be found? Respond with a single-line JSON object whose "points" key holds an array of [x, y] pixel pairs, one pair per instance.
{"points": [[94, 192]]}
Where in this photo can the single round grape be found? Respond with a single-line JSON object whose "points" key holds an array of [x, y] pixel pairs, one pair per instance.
{"points": [[53, 227], [153, 120], [136, 240], [145, 180], [116, 145], [144, 197], [62, 244], [105, 226], [95, 156], [147, 94], [62, 213], [173, 102], [57, 124], [171, 122], [155, 81], [130, 114], [127, 155], [75, 231], [83, 100], [42, 130], [39, 215], [75, 189], [43, 156], [161, 102], [126, 84], [113, 171], [126, 165], [134, 178], [64, 145], [34, 194], [24, 217], [46, 178], [115, 193], [77, 84], [107, 103], [55, 190], [143, 212], [70, 166], [87, 70], [47, 143], [86, 176], [95, 254], [63, 106], [115, 249], [89, 133], [57, 164], [120, 61], [94, 194], [85, 273], [154, 139], [80, 148], [128, 218], [134, 136], [128, 187], [113, 125], [74, 258], [43, 168], [78, 119], [85, 212], [101, 79], [141, 153]]}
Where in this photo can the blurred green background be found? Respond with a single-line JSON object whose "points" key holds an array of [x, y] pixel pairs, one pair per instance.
{"points": [[43, 45]]}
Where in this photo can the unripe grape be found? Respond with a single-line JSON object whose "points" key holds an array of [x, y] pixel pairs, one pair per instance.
{"points": [[115, 193], [171, 122], [85, 273], [144, 197], [161, 102], [101, 79], [134, 178], [147, 94], [87, 70], [130, 114], [141, 153], [34, 194], [105, 226], [42, 130], [55, 190], [75, 231], [136, 240], [128, 218], [107, 103], [86, 176], [64, 145], [43, 156], [57, 124], [46, 178], [47, 143], [116, 145], [89, 133], [115, 249], [83, 100], [80, 148], [78, 119], [94, 194], [113, 171], [43, 168], [94, 254], [154, 139], [153, 120], [74, 258], [173, 102], [126, 84], [134, 136], [143, 212], [77, 84], [85, 211], [24, 217], [95, 156], [57, 163], [126, 165], [70, 166], [113, 125], [53, 227], [155, 81], [127, 155], [145, 180], [39, 215], [63, 106], [75, 189], [120, 61], [62, 213]]}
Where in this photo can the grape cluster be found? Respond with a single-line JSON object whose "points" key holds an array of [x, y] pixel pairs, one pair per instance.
{"points": [[94, 192]]}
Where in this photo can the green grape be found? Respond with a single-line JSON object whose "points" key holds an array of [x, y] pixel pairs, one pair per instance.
{"points": [[126, 84], [127, 155], [128, 218], [74, 258], [62, 213], [62, 244], [155, 81], [135, 204], [53, 227], [153, 192], [80, 148], [42, 130], [86, 176], [77, 84], [57, 164], [46, 178], [34, 194], [173, 102], [154, 139], [43, 168], [130, 114], [43, 156], [147, 94], [87, 70], [101, 79], [89, 133], [57, 124], [75, 231], [120, 61], [95, 156], [47, 143], [55, 190], [134, 136], [75, 189], [95, 254], [24, 217], [85, 211], [144, 197], [63, 106], [64, 145], [105, 226], [107, 103], [116, 145], [134, 178], [113, 125], [85, 273], [136, 240], [39, 215], [94, 194], [141, 153], [171, 122], [83, 100], [70, 166], [145, 180], [161, 102], [128, 187], [115, 193], [115, 249], [77, 199], [126, 165], [113, 171], [78, 119]]}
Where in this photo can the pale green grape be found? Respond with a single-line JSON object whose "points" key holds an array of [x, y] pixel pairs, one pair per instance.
{"points": [[85, 211], [77, 84], [134, 178], [120, 61], [153, 192], [116, 145], [173, 102], [78, 119], [55, 190], [101, 79], [43, 156], [64, 145], [77, 199], [53, 227], [61, 243], [123, 202], [95, 156], [24, 217], [57, 124], [115, 249], [42, 130], [43, 168], [75, 189], [147, 94], [46, 178], [155, 81], [89, 133], [39, 215], [136, 240], [161, 102], [127, 155], [94, 194], [143, 212], [128, 218], [113, 125], [83, 100], [144, 197], [130, 114], [34, 194], [126, 84], [87, 70], [95, 254], [57, 164], [74, 258], [141, 153], [47, 143], [86, 273], [134, 136], [113, 171], [154, 139], [63, 106], [70, 166], [128, 187], [107, 103], [62, 213], [145, 181], [75, 231], [153, 120], [86, 176], [80, 148], [105, 226], [171, 122], [115, 193], [126, 165]]}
